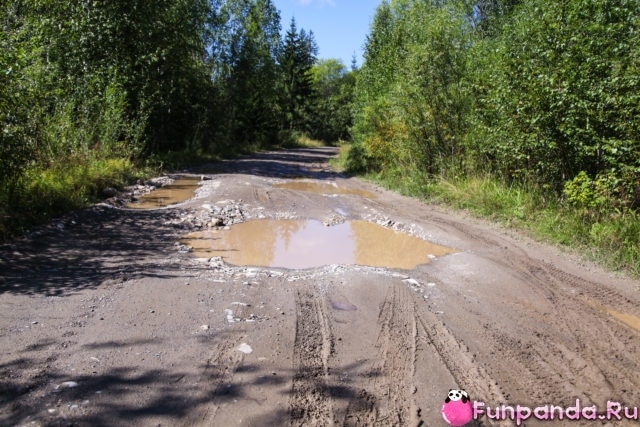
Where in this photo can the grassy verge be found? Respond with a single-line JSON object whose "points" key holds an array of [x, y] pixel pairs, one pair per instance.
{"points": [[612, 240], [300, 140], [339, 162], [44, 193]]}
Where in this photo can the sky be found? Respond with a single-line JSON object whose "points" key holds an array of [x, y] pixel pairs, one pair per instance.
{"points": [[340, 27]]}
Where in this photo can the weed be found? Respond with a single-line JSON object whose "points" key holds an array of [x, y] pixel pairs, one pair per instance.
{"points": [[611, 239]]}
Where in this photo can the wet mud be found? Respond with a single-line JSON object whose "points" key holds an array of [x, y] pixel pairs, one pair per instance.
{"points": [[111, 316], [328, 188]]}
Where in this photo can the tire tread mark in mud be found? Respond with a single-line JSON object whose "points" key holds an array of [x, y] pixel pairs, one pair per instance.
{"points": [[590, 289], [562, 370], [393, 373], [361, 410], [310, 401], [617, 340], [456, 357], [216, 378]]}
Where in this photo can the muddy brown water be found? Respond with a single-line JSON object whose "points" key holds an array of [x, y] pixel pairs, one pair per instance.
{"points": [[309, 243], [178, 191], [323, 188], [111, 327], [626, 318]]}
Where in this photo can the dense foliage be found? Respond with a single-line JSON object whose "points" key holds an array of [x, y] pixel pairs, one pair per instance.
{"points": [[545, 93], [531, 94], [92, 84]]}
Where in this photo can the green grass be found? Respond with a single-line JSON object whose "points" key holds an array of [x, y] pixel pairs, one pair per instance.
{"points": [[299, 140], [612, 240], [45, 193], [338, 163]]}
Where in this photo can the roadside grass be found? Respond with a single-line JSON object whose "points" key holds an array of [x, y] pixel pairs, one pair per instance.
{"points": [[339, 162], [612, 239], [299, 140], [45, 193]]}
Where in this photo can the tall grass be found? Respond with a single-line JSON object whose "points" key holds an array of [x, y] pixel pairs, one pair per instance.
{"points": [[44, 193], [612, 239]]}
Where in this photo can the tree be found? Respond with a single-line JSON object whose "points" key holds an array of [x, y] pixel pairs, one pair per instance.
{"points": [[17, 147], [245, 71], [296, 59], [564, 77], [535, 91], [382, 54], [330, 117], [410, 106]]}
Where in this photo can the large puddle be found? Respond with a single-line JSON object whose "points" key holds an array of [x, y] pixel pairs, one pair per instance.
{"points": [[323, 188], [308, 243], [178, 191]]}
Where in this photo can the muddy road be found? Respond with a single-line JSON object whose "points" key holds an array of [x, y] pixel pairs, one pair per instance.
{"points": [[124, 316]]}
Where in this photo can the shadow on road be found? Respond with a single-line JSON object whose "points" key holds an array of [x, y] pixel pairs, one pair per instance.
{"points": [[114, 397], [294, 163], [102, 243], [84, 249]]}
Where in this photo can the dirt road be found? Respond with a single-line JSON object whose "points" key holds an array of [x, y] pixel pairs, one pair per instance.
{"points": [[107, 318]]}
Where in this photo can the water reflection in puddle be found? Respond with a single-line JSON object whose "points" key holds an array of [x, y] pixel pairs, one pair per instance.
{"points": [[178, 191], [323, 188], [309, 243]]}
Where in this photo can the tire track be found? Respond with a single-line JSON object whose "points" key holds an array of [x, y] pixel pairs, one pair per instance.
{"points": [[396, 362], [310, 401], [580, 352], [458, 359], [217, 375], [567, 359], [361, 410]]}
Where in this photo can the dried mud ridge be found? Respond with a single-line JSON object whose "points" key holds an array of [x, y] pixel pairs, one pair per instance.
{"points": [[107, 319]]}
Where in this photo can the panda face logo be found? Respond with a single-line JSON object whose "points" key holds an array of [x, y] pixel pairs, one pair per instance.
{"points": [[456, 395], [456, 409]]}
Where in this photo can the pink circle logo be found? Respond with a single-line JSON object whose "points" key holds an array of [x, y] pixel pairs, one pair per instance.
{"points": [[456, 409]]}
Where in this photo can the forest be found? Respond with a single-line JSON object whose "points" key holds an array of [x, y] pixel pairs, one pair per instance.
{"points": [[531, 91], [94, 92], [530, 97], [529, 107]]}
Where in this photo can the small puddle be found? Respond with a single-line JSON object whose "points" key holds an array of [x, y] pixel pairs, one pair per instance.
{"points": [[626, 318], [178, 191], [343, 306], [630, 320], [300, 244], [323, 188]]}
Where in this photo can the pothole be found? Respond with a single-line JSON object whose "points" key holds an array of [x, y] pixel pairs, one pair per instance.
{"points": [[178, 191], [323, 188], [299, 244]]}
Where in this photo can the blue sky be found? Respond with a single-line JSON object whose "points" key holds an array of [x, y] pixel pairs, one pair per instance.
{"points": [[340, 26]]}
